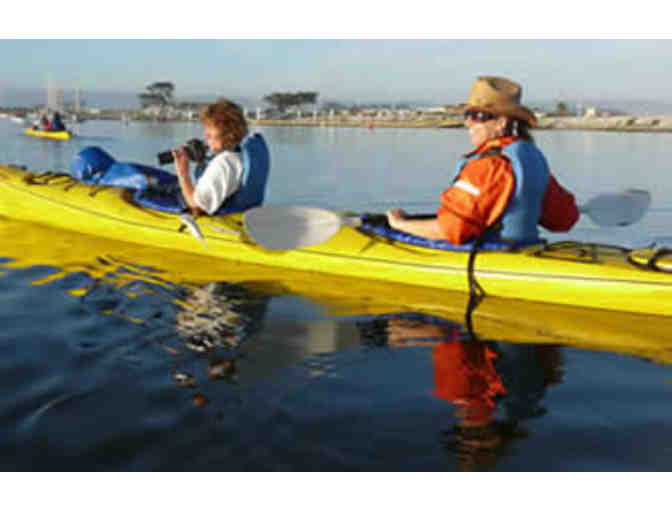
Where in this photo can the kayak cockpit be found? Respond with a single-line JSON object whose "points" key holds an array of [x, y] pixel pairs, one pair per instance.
{"points": [[378, 225]]}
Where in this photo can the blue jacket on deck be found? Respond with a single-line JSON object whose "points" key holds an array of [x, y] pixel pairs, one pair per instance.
{"points": [[159, 189]]}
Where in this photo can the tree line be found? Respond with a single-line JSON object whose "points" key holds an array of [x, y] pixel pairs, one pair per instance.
{"points": [[161, 94], [284, 100]]}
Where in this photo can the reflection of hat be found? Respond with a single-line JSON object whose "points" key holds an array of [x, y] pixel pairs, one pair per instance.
{"points": [[499, 96]]}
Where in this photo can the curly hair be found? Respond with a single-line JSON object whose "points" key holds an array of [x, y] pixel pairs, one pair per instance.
{"points": [[229, 118]]}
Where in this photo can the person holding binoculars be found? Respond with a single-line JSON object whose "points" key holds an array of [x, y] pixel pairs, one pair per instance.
{"points": [[214, 180], [230, 179]]}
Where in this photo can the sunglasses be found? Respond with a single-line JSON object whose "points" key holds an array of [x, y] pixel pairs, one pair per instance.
{"points": [[478, 116]]}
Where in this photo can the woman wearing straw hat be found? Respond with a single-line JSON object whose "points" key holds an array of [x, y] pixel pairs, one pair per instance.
{"points": [[503, 188]]}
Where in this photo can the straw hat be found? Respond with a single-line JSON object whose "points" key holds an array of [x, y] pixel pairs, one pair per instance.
{"points": [[499, 96]]}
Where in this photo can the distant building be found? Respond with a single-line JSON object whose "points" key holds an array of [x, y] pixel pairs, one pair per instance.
{"points": [[153, 110], [432, 110], [591, 112], [148, 100], [453, 109]]}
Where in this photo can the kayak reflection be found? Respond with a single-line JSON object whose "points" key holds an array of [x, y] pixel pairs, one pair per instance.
{"points": [[126, 268], [179, 311], [494, 385]]}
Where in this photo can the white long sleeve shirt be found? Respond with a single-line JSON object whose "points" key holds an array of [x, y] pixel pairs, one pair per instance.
{"points": [[219, 181]]}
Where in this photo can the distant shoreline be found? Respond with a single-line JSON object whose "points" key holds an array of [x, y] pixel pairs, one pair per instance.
{"points": [[621, 123], [613, 123], [360, 123]]}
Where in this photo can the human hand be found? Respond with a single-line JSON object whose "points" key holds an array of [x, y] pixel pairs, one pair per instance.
{"points": [[181, 161]]}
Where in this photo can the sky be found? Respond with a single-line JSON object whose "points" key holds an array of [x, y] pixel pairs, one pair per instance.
{"points": [[359, 67]]}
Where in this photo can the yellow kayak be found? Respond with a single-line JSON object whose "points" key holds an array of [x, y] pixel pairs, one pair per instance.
{"points": [[122, 265], [58, 135], [592, 276]]}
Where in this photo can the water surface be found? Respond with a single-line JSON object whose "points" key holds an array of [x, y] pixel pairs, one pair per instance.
{"points": [[115, 357]]}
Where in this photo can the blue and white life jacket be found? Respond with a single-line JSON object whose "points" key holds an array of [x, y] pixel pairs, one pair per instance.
{"points": [[530, 168]]}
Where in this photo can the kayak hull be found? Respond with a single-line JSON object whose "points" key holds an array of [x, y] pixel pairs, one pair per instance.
{"points": [[56, 135], [589, 276]]}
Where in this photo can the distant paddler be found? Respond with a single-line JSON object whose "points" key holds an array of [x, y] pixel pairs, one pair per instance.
{"points": [[45, 128], [504, 188], [55, 124]]}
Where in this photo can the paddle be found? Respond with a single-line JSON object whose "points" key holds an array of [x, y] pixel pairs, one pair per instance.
{"points": [[617, 209], [278, 227]]}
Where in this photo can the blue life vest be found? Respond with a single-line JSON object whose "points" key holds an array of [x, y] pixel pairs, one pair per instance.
{"points": [[57, 125], [531, 172], [256, 161]]}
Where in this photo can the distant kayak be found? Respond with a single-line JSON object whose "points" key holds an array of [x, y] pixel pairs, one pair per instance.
{"points": [[58, 135]]}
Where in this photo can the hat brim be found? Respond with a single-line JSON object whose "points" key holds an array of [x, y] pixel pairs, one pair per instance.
{"points": [[515, 111]]}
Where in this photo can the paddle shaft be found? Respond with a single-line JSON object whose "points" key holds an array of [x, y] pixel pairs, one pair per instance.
{"points": [[289, 227], [609, 209]]}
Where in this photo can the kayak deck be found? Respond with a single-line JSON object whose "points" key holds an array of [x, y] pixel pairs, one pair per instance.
{"points": [[593, 276]]}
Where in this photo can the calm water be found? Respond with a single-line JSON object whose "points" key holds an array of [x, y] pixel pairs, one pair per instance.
{"points": [[126, 372]]}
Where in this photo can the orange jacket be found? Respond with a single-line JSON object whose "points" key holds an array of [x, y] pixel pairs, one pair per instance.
{"points": [[482, 192]]}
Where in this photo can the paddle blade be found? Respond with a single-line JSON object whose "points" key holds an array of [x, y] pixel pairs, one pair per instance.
{"points": [[618, 209], [290, 227]]}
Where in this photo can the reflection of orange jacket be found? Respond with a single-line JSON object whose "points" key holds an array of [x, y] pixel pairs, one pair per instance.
{"points": [[465, 374], [483, 191]]}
